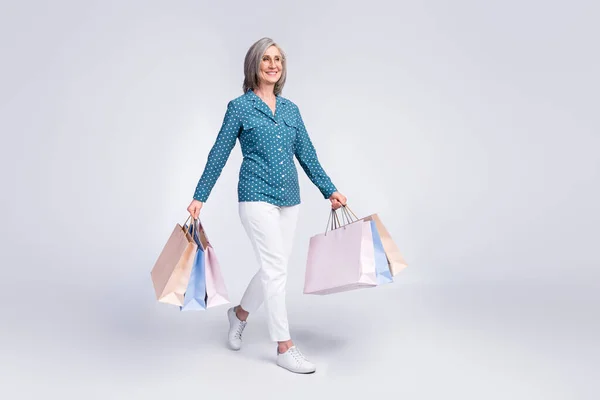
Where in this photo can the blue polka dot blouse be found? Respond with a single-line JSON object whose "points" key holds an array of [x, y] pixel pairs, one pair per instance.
{"points": [[269, 142]]}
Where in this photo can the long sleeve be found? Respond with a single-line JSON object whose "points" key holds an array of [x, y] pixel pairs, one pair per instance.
{"points": [[219, 154], [307, 157]]}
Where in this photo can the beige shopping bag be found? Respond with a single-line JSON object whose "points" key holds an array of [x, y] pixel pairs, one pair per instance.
{"points": [[171, 272], [396, 261]]}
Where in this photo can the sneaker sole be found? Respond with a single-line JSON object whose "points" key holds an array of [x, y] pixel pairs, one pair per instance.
{"points": [[297, 372]]}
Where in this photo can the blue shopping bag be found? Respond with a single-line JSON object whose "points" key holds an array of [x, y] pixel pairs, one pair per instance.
{"points": [[382, 269], [195, 294]]}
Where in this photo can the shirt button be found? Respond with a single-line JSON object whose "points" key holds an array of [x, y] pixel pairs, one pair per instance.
{"points": [[281, 162], [280, 149], [279, 136]]}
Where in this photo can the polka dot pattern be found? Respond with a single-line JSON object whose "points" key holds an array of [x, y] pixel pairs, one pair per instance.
{"points": [[269, 143]]}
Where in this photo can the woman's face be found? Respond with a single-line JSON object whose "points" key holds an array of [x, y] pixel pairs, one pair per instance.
{"points": [[271, 65]]}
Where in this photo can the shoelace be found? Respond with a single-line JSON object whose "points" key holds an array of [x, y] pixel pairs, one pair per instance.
{"points": [[297, 354], [240, 329]]}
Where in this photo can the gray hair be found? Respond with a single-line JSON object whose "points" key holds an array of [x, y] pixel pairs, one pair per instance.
{"points": [[252, 65]]}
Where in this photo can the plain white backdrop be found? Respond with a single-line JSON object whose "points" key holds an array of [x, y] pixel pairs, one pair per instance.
{"points": [[470, 127]]}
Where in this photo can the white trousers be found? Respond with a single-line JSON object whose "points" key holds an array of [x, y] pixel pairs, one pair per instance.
{"points": [[271, 231]]}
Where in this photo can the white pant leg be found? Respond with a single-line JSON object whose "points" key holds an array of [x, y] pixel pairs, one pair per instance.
{"points": [[271, 232]]}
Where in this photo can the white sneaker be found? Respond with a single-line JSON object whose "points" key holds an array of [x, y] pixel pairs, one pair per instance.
{"points": [[293, 360], [236, 327]]}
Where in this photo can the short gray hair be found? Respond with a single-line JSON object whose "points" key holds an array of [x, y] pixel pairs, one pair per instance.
{"points": [[252, 65]]}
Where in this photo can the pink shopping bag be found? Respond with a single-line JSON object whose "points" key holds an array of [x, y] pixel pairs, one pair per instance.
{"points": [[340, 260], [216, 291]]}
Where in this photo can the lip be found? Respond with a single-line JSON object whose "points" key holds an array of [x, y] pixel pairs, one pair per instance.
{"points": [[271, 72]]}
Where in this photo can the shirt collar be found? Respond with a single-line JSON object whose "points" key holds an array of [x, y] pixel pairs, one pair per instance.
{"points": [[260, 105], [254, 97]]}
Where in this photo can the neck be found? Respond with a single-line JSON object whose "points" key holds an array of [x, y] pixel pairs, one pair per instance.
{"points": [[265, 91]]}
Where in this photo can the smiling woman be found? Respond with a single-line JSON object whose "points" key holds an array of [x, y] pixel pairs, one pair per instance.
{"points": [[265, 56], [271, 133], [271, 67]]}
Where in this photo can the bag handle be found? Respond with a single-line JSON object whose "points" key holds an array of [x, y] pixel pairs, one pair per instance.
{"points": [[347, 209], [334, 222], [194, 227], [348, 217], [185, 231], [202, 234], [345, 216]]}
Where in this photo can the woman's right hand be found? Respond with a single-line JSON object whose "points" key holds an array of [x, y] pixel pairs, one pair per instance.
{"points": [[194, 208]]}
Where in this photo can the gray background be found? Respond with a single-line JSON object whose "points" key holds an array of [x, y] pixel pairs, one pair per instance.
{"points": [[470, 127]]}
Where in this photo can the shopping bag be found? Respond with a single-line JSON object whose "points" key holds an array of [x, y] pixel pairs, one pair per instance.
{"points": [[396, 262], [195, 294], [171, 271], [216, 291], [341, 259], [384, 275], [206, 287], [395, 258]]}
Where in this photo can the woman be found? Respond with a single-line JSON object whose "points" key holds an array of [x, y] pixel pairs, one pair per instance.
{"points": [[271, 132]]}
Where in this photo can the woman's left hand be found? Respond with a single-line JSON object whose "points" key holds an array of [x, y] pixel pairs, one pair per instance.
{"points": [[337, 200]]}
